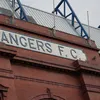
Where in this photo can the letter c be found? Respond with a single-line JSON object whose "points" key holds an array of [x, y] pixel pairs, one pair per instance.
{"points": [[73, 53]]}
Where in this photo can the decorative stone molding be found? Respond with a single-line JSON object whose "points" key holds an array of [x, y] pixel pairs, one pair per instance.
{"points": [[42, 64], [92, 88], [7, 50], [3, 91], [87, 67], [47, 96], [47, 82]]}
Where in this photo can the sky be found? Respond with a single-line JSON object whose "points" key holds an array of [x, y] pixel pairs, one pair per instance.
{"points": [[80, 7]]}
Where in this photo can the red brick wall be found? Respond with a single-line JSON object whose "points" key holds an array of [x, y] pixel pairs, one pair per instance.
{"points": [[28, 74]]}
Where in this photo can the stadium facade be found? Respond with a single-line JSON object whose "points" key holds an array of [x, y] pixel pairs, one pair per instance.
{"points": [[37, 63]]}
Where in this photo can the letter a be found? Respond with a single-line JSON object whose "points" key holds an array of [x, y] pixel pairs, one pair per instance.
{"points": [[4, 38]]}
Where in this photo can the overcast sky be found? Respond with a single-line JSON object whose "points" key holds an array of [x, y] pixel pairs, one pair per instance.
{"points": [[80, 7]]}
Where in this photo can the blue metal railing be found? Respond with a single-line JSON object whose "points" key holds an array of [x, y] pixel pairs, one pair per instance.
{"points": [[73, 17], [22, 13]]}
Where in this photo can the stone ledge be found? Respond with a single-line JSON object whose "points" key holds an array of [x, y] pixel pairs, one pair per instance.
{"points": [[87, 67], [7, 50], [42, 64], [91, 88]]}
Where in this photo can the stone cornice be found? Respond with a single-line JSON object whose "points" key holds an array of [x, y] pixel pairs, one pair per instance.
{"points": [[78, 66], [7, 50], [87, 67], [42, 64], [44, 31]]}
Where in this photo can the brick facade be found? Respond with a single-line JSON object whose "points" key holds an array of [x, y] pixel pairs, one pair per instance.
{"points": [[28, 75]]}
